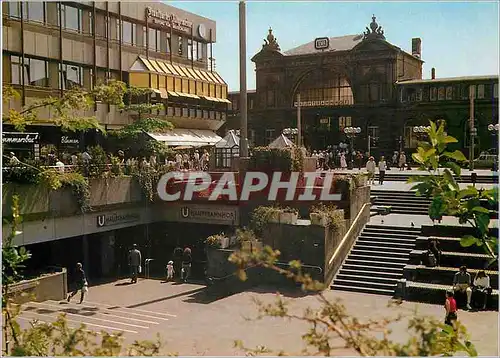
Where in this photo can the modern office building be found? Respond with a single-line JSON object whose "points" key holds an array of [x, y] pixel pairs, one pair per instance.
{"points": [[49, 47], [359, 80]]}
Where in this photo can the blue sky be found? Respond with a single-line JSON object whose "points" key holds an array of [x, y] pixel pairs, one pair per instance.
{"points": [[458, 38]]}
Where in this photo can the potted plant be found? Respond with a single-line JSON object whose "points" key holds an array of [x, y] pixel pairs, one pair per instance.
{"points": [[289, 216], [320, 214], [218, 241]]}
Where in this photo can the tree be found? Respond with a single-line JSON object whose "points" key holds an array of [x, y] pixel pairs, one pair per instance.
{"points": [[440, 185], [132, 136], [57, 338], [331, 321], [65, 109]]}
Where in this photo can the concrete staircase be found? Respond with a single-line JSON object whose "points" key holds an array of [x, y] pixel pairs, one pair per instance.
{"points": [[377, 259], [401, 202], [465, 178]]}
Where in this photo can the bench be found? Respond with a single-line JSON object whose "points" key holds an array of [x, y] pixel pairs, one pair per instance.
{"points": [[436, 293], [454, 259], [442, 275]]}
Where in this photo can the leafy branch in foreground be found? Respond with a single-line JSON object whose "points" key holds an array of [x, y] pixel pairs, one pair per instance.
{"points": [[331, 321], [467, 204], [65, 111], [55, 338]]}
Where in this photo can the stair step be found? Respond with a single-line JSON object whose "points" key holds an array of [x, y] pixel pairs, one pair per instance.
{"points": [[375, 291], [380, 259], [359, 283], [362, 261], [383, 243], [373, 279], [371, 237], [400, 250], [360, 270], [392, 228], [388, 233], [379, 253]]}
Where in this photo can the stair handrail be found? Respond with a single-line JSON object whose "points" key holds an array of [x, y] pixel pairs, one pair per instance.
{"points": [[344, 239]]}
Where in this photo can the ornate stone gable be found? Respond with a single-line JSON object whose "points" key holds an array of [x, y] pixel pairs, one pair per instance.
{"points": [[374, 32]]}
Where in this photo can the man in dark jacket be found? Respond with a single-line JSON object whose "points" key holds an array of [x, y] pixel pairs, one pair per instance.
{"points": [[81, 283], [134, 260], [186, 264], [178, 262]]}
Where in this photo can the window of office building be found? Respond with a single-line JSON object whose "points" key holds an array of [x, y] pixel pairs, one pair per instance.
{"points": [[154, 40], [101, 25], [495, 90], [14, 9], [37, 70], [34, 11], [199, 51], [190, 49], [72, 76], [180, 41], [71, 18], [127, 37], [169, 42], [15, 69]]}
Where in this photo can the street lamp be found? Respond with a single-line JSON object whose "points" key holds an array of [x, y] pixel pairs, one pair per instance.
{"points": [[421, 131], [351, 133], [292, 132]]}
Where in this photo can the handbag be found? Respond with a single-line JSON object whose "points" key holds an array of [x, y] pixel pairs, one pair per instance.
{"points": [[140, 269]]}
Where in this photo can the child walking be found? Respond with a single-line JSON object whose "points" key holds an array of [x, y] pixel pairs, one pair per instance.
{"points": [[170, 270]]}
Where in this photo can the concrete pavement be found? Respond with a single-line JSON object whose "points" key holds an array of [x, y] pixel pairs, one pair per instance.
{"points": [[194, 323]]}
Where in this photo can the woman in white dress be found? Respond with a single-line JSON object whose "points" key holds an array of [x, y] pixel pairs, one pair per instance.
{"points": [[343, 162]]}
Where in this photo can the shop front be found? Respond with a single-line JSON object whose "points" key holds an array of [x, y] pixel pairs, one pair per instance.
{"points": [[23, 145]]}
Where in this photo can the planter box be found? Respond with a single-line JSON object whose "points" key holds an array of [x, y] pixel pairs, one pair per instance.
{"points": [[275, 217], [288, 218], [51, 286], [318, 219]]}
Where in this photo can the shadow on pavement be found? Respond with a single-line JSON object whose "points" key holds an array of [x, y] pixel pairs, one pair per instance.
{"points": [[166, 298]]}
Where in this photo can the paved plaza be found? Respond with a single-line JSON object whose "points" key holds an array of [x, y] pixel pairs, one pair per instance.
{"points": [[194, 323]]}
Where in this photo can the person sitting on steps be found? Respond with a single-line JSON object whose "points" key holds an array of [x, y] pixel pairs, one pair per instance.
{"points": [[433, 247], [482, 289], [462, 283]]}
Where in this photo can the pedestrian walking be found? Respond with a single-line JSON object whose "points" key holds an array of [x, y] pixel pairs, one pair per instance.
{"points": [[450, 307], [177, 258], [81, 283], [170, 270], [134, 260], [187, 260], [382, 166], [343, 162], [370, 167], [402, 161]]}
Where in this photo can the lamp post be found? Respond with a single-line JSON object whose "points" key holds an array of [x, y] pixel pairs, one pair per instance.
{"points": [[493, 129], [243, 80], [351, 133]]}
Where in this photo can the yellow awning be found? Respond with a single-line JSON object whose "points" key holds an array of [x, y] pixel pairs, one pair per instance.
{"points": [[173, 94], [163, 68], [225, 100], [163, 93], [188, 95]]}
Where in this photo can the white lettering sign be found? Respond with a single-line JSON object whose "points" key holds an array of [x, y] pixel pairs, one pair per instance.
{"points": [[164, 19], [23, 138], [327, 103], [68, 140], [206, 214]]}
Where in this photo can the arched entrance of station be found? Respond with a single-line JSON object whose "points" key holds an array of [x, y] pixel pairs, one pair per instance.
{"points": [[326, 101]]}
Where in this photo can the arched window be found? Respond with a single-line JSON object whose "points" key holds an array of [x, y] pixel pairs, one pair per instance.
{"points": [[327, 87]]}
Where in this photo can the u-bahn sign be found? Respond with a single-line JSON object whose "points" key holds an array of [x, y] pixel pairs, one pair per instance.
{"points": [[321, 43]]}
